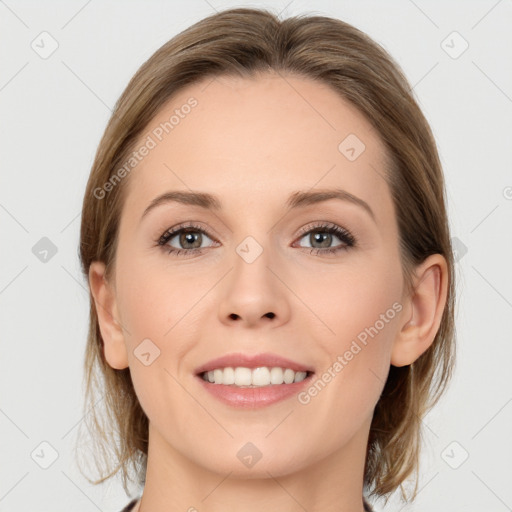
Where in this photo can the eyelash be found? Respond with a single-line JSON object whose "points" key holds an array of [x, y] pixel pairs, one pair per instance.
{"points": [[345, 236]]}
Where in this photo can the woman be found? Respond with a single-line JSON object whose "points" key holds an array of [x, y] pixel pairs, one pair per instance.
{"points": [[265, 237]]}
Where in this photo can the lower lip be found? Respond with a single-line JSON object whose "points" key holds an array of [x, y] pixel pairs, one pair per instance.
{"points": [[252, 398]]}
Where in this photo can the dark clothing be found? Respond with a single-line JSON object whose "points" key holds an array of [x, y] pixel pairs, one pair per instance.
{"points": [[367, 506], [130, 505]]}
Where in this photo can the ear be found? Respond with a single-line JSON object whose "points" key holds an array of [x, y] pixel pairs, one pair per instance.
{"points": [[108, 317], [424, 311]]}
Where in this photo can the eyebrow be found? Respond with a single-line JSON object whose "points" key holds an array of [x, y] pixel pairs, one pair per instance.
{"points": [[298, 199]]}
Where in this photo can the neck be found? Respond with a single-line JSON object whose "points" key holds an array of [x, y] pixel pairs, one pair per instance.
{"points": [[333, 483]]}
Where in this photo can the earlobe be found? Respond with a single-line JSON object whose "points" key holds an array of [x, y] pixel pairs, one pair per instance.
{"points": [[425, 310], [108, 317]]}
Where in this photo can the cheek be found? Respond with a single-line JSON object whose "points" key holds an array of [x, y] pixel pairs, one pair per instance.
{"points": [[161, 311], [155, 314], [145, 308], [352, 299], [153, 301], [359, 310]]}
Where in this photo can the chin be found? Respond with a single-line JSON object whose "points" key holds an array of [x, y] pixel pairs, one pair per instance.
{"points": [[247, 463]]}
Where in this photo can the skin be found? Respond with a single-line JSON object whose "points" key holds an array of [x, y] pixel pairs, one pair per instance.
{"points": [[252, 142]]}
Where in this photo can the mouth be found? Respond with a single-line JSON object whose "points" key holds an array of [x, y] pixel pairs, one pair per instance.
{"points": [[252, 381], [244, 377], [251, 389]]}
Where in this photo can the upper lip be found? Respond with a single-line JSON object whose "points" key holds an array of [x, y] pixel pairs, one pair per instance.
{"points": [[253, 361]]}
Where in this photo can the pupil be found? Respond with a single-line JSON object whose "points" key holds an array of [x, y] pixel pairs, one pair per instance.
{"points": [[327, 237], [188, 238]]}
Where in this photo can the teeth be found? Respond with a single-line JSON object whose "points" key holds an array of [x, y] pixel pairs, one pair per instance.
{"points": [[257, 377]]}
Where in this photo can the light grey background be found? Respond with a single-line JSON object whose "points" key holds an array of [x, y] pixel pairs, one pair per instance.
{"points": [[53, 113]]}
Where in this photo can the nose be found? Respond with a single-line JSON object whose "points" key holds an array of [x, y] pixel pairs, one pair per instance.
{"points": [[254, 294]]}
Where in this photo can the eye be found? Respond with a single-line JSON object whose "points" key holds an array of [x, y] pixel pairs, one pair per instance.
{"points": [[320, 238], [189, 238], [186, 239]]}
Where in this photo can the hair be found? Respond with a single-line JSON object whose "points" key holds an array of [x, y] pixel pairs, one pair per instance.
{"points": [[244, 42]]}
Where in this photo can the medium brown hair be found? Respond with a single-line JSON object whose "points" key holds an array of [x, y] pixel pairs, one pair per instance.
{"points": [[244, 42]]}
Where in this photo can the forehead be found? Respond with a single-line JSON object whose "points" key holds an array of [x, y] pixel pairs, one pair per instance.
{"points": [[259, 139]]}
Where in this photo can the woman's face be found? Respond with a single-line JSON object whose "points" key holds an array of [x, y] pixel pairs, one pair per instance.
{"points": [[268, 278]]}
